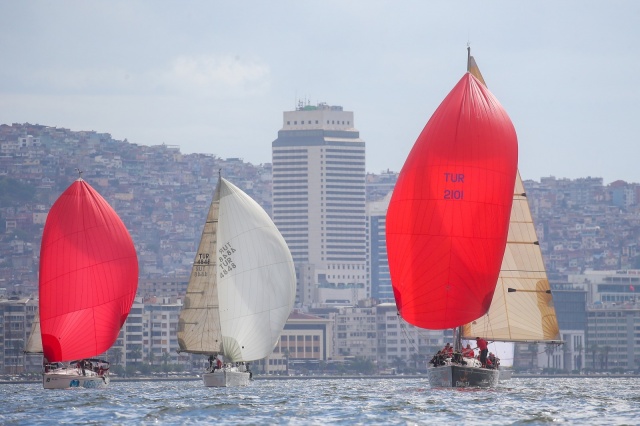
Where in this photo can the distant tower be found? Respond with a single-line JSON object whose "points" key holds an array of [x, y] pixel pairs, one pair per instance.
{"points": [[319, 202], [378, 265]]}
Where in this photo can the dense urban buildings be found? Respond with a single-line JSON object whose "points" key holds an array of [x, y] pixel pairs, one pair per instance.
{"points": [[588, 231]]}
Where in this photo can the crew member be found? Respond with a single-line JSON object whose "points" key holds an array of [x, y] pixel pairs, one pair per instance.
{"points": [[484, 349]]}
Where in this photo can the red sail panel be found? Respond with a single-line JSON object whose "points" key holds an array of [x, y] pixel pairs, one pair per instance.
{"points": [[448, 218], [88, 275]]}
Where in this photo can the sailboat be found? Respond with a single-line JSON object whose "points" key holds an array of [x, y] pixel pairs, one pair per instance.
{"points": [[241, 289], [522, 308], [448, 222], [88, 280]]}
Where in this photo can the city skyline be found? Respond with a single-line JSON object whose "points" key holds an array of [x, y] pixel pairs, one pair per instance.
{"points": [[212, 78], [583, 224]]}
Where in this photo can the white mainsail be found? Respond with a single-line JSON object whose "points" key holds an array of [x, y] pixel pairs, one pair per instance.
{"points": [[526, 314], [242, 285], [34, 342]]}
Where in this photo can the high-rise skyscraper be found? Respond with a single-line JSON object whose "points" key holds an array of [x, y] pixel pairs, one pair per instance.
{"points": [[319, 202]]}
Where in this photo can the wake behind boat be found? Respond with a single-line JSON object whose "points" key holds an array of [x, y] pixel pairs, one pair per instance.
{"points": [[505, 374], [448, 221], [88, 280], [241, 290]]}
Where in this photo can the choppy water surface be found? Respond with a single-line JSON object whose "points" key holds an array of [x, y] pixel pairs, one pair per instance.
{"points": [[531, 401]]}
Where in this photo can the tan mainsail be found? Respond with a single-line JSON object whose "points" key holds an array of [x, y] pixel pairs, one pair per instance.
{"points": [[526, 314], [34, 342], [199, 325]]}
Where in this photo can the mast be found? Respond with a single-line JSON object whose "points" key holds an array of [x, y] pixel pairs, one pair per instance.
{"points": [[457, 343]]}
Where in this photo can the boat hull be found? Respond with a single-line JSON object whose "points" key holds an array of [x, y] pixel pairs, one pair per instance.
{"points": [[71, 381], [226, 378], [462, 376]]}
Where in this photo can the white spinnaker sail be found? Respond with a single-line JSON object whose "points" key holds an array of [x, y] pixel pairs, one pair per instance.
{"points": [[34, 342], [527, 314], [256, 277], [199, 323]]}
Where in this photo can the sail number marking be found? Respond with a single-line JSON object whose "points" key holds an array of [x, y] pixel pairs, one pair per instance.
{"points": [[225, 262], [202, 260], [454, 194]]}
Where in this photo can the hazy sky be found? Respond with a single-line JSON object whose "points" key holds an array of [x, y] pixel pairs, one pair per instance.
{"points": [[215, 76]]}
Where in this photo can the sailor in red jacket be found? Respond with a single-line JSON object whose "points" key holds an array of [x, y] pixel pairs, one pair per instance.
{"points": [[483, 346], [468, 352], [447, 350]]}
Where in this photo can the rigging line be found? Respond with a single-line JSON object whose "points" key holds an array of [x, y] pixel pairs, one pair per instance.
{"points": [[405, 332], [488, 326]]}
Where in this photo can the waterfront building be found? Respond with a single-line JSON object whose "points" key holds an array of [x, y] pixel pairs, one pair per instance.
{"points": [[16, 317], [319, 173], [305, 342], [399, 342], [128, 347], [355, 332], [613, 337], [377, 262], [160, 330], [612, 287], [613, 318], [570, 305]]}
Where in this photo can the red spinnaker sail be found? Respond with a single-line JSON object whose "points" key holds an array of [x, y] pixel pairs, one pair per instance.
{"points": [[448, 219], [88, 275]]}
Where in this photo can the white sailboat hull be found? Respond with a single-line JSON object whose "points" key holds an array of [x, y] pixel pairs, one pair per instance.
{"points": [[71, 378], [227, 377]]}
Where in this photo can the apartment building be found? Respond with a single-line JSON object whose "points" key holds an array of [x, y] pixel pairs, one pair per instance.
{"points": [[305, 341], [16, 317], [399, 341]]}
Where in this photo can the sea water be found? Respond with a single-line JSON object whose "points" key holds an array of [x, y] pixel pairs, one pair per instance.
{"points": [[366, 401]]}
